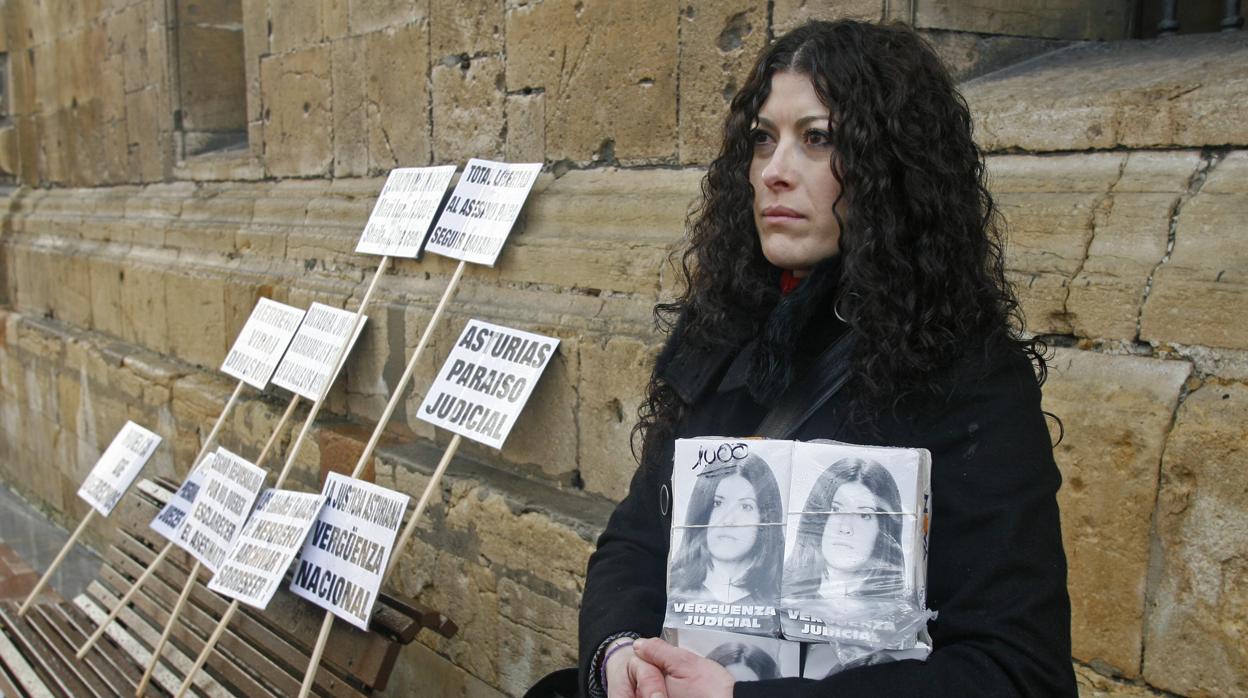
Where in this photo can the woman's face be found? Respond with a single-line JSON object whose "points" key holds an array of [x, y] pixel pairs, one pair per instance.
{"points": [[735, 509], [792, 176], [742, 672], [849, 536]]}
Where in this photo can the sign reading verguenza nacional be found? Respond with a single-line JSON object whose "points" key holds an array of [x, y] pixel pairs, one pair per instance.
{"points": [[489, 375], [407, 204], [482, 210], [230, 487], [261, 344], [342, 563], [309, 364], [254, 566], [179, 505], [117, 467]]}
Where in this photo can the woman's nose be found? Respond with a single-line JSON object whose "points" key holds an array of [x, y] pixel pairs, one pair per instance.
{"points": [[845, 525], [778, 173]]}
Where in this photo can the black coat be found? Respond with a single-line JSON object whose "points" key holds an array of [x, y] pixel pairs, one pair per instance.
{"points": [[996, 568]]}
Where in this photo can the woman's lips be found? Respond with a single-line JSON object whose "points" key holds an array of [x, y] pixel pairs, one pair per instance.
{"points": [[779, 214]]}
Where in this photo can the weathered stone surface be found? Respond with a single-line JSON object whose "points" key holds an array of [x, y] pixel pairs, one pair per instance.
{"points": [[1061, 19], [1094, 685], [718, 43], [468, 28], [370, 15], [1115, 411], [420, 669], [1200, 293], [538, 635], [398, 97], [1198, 612], [143, 307], [296, 91], [526, 127], [615, 374], [197, 319], [1180, 91], [968, 56], [468, 116], [606, 99], [295, 24], [1128, 241], [788, 14], [350, 108], [218, 103], [1050, 205]]}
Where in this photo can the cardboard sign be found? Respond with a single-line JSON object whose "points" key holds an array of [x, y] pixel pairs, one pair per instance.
{"points": [[260, 345], [342, 563], [746, 657], [117, 467], [481, 211], [486, 380], [728, 506], [230, 486], [179, 505], [255, 565], [313, 355], [407, 204]]}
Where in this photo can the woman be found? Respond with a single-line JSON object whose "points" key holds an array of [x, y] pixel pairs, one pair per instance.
{"points": [[853, 550], [745, 663], [725, 554], [849, 199]]}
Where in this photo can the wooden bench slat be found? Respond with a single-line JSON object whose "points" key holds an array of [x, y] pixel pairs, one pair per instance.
{"points": [[7, 687], [21, 670], [38, 619], [46, 664], [107, 661]]}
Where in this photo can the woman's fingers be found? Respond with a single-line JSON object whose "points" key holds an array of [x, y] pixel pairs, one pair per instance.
{"points": [[647, 678], [668, 659]]}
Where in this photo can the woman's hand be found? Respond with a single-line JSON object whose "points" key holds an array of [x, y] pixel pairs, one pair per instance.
{"points": [[686, 674], [629, 676]]}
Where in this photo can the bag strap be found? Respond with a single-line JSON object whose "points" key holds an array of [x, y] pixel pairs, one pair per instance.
{"points": [[829, 373]]}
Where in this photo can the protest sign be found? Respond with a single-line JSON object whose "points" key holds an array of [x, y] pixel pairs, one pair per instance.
{"points": [[481, 211], [313, 355], [230, 486], [117, 467], [342, 563], [256, 563], [407, 204], [260, 345], [486, 380], [179, 505]]}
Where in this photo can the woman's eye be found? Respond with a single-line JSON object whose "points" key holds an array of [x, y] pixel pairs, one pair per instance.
{"points": [[746, 506], [818, 137], [865, 517], [760, 137], [716, 502]]}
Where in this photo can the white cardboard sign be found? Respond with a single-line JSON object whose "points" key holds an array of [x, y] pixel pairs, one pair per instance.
{"points": [[342, 563], [313, 353], [260, 345], [117, 467], [482, 387], [407, 204], [482, 209], [179, 505], [230, 486], [255, 565]]}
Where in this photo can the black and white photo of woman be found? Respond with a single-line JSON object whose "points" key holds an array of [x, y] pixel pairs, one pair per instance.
{"points": [[849, 533], [733, 540]]}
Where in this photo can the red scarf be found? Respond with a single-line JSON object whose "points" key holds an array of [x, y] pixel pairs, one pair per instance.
{"points": [[788, 282]]}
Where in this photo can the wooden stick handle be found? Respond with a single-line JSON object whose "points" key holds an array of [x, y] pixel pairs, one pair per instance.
{"points": [[125, 600], [397, 396], [314, 662], [217, 632], [216, 428], [60, 557], [277, 430], [164, 636]]}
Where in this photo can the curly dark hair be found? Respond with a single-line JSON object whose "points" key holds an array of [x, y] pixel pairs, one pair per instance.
{"points": [[920, 275]]}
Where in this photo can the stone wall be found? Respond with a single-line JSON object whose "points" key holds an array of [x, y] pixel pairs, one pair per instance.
{"points": [[128, 262]]}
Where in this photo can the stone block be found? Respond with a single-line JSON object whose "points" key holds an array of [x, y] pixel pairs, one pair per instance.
{"points": [[71, 288], [526, 127], [538, 634], [1115, 411], [469, 28], [296, 90], [1128, 241], [544, 435], [295, 24], [468, 118], [398, 98], [420, 669], [255, 21], [218, 104], [1198, 608], [1050, 205], [196, 315], [788, 14], [371, 15], [147, 146], [209, 11], [609, 74], [143, 308], [614, 374], [1199, 294], [719, 40], [350, 107], [1061, 19], [1133, 94], [1094, 685], [336, 16]]}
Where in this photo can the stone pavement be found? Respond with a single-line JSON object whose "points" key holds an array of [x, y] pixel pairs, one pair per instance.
{"points": [[28, 544]]}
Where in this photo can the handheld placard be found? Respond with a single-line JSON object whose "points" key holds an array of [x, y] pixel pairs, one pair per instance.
{"points": [[102, 489], [406, 206], [262, 343], [254, 566]]}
